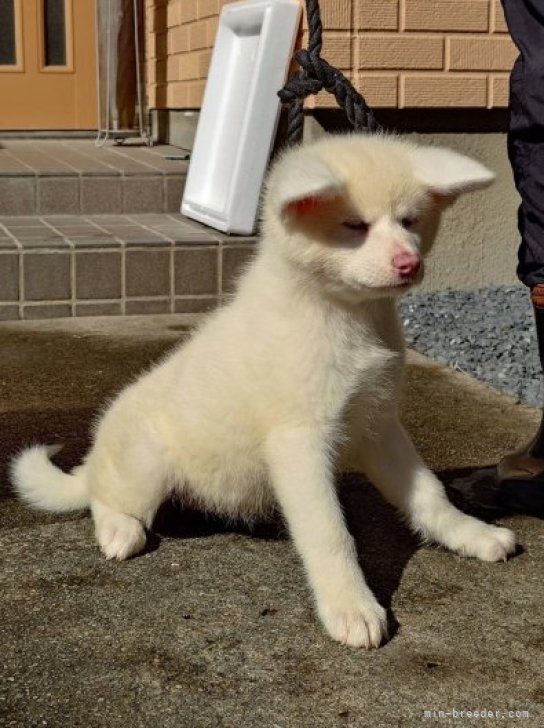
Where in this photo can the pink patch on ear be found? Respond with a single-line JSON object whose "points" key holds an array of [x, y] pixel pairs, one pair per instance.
{"points": [[305, 205], [441, 200]]}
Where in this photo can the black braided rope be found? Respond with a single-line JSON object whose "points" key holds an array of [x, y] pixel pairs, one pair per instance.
{"points": [[317, 74]]}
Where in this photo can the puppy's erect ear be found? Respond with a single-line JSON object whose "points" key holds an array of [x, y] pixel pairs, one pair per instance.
{"points": [[304, 184], [447, 173]]}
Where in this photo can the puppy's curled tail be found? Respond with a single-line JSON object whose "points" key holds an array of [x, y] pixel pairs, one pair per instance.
{"points": [[44, 486]]}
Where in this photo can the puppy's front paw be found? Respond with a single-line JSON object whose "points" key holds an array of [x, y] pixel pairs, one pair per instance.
{"points": [[360, 623], [485, 542]]}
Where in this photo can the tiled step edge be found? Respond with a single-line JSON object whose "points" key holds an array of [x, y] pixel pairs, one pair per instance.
{"points": [[176, 267], [37, 194]]}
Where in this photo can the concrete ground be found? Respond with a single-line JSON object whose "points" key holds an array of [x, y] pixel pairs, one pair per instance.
{"points": [[214, 626]]}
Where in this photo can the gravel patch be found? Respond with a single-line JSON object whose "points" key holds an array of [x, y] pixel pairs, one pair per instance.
{"points": [[488, 333]]}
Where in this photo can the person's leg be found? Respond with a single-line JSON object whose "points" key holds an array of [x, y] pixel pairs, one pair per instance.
{"points": [[521, 474], [525, 20]]}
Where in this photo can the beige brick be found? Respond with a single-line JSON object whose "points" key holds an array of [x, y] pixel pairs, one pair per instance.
{"points": [[151, 93], [380, 55], [177, 95], [322, 100], [401, 51], [197, 35], [195, 94], [309, 101], [378, 14], [188, 67], [148, 21], [178, 39], [336, 15], [336, 49], [499, 91], [204, 58], [156, 72], [159, 72], [189, 11], [211, 31], [158, 19], [150, 45], [498, 23], [206, 8], [157, 46], [378, 90], [443, 90], [162, 46], [481, 54], [447, 15], [161, 96], [173, 13], [158, 97], [172, 68]]}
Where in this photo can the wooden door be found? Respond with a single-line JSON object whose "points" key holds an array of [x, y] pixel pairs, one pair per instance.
{"points": [[47, 64]]}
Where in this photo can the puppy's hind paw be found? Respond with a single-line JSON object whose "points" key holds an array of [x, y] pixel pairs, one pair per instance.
{"points": [[362, 624], [121, 537]]}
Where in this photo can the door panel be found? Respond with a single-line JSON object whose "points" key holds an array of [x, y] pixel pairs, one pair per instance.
{"points": [[47, 64], [55, 36], [10, 36]]}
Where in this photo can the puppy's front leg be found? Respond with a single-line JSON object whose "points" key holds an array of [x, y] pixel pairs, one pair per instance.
{"points": [[394, 466], [302, 479]]}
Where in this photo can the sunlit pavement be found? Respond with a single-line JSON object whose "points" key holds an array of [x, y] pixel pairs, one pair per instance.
{"points": [[214, 626]]}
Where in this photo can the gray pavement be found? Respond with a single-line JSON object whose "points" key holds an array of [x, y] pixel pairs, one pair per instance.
{"points": [[213, 626]]}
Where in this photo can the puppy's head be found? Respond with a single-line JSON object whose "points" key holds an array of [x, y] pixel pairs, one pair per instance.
{"points": [[358, 213]]}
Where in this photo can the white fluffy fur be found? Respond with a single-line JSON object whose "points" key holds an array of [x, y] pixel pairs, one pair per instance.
{"points": [[298, 375]]}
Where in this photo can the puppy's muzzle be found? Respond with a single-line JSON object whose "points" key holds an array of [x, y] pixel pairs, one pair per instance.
{"points": [[406, 264]]}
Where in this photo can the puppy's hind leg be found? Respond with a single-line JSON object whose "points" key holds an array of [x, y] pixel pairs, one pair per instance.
{"points": [[119, 535], [124, 502]]}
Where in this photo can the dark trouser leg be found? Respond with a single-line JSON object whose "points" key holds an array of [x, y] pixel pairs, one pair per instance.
{"points": [[525, 20], [522, 474]]}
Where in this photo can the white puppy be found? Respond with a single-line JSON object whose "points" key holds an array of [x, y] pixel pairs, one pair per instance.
{"points": [[298, 375]]}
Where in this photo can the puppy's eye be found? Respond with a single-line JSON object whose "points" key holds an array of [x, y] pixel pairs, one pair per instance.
{"points": [[408, 222], [359, 226]]}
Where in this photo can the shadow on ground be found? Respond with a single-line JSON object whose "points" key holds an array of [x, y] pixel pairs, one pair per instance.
{"points": [[214, 626]]}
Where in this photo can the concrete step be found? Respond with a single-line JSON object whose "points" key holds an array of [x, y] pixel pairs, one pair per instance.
{"points": [[55, 266], [62, 177]]}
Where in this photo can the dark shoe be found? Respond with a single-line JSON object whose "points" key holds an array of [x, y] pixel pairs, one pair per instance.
{"points": [[521, 483]]}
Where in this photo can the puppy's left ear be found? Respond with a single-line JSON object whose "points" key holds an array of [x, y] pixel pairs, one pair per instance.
{"points": [[304, 184], [448, 174]]}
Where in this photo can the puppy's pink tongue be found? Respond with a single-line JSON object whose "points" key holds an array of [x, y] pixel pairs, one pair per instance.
{"points": [[406, 264]]}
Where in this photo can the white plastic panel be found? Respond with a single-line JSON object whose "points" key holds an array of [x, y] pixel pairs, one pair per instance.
{"points": [[239, 114]]}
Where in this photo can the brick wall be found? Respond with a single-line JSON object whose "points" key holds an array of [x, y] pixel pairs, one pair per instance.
{"points": [[180, 36], [399, 53]]}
